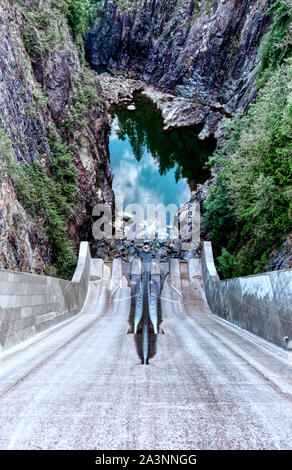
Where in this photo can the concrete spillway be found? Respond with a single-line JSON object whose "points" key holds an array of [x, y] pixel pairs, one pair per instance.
{"points": [[209, 385], [146, 285]]}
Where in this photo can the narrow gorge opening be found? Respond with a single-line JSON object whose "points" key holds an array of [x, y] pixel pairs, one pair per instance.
{"points": [[151, 165], [152, 169]]}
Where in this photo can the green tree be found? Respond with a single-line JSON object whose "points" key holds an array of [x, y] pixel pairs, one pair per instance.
{"points": [[277, 43], [251, 200], [78, 15], [225, 264]]}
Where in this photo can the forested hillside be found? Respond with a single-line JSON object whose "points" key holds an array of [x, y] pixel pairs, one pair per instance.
{"points": [[249, 209], [228, 62]]}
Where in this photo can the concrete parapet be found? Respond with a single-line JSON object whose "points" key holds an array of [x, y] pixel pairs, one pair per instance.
{"points": [[261, 304], [30, 303]]}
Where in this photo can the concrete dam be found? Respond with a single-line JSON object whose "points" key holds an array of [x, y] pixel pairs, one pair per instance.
{"points": [[202, 363]]}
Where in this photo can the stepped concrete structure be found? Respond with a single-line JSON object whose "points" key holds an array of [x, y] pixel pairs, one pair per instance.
{"points": [[219, 373]]}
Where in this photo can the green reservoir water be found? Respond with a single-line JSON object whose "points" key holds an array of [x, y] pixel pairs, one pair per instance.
{"points": [[152, 166]]}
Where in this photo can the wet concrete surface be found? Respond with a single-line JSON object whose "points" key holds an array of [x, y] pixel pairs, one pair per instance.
{"points": [[210, 385]]}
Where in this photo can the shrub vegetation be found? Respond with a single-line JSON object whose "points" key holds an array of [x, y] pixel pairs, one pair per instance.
{"points": [[250, 207]]}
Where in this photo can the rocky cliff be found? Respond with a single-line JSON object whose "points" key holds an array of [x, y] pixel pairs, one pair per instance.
{"points": [[197, 60], [202, 51], [52, 114]]}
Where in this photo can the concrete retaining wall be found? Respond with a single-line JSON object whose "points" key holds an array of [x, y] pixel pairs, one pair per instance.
{"points": [[261, 304], [30, 304]]}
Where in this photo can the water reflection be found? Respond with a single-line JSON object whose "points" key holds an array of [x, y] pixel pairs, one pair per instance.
{"points": [[151, 166]]}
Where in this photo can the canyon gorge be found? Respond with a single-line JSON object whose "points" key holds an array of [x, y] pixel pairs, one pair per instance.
{"points": [[198, 61]]}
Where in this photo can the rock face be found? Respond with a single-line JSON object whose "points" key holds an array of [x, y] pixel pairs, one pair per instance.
{"points": [[283, 259], [36, 94], [204, 52], [22, 246], [118, 89], [18, 88]]}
